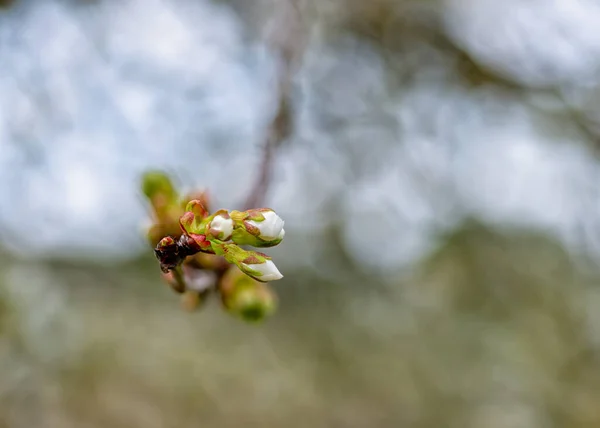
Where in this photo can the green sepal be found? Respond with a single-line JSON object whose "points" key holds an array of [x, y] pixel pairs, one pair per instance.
{"points": [[242, 237]]}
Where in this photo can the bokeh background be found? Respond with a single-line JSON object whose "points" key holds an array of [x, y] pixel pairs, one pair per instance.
{"points": [[440, 190]]}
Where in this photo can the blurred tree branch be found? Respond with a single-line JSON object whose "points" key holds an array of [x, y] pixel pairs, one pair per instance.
{"points": [[6, 3], [286, 36]]}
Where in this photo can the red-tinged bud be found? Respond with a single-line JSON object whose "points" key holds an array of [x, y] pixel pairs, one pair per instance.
{"points": [[186, 222], [167, 253], [195, 206], [193, 220], [166, 242]]}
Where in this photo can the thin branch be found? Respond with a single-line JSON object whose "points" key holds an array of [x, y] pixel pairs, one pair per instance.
{"points": [[288, 39], [179, 285]]}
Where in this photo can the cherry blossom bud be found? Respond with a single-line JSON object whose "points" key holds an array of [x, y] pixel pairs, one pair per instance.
{"points": [[270, 228], [254, 264], [260, 227], [197, 207], [263, 271], [186, 221], [193, 221], [221, 226], [167, 253]]}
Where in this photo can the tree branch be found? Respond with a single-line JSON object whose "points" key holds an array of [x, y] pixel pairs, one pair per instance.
{"points": [[287, 37]]}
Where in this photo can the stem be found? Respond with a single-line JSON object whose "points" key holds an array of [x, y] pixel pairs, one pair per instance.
{"points": [[278, 132], [288, 40], [179, 285]]}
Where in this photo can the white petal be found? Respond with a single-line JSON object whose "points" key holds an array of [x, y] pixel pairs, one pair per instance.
{"points": [[271, 227], [268, 270], [222, 224]]}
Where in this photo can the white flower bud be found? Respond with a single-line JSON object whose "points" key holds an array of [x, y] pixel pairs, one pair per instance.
{"points": [[221, 227], [268, 271], [271, 228]]}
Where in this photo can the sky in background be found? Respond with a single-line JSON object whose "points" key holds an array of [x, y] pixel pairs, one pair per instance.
{"points": [[92, 95]]}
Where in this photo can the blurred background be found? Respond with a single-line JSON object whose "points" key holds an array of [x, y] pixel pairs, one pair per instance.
{"points": [[439, 187]]}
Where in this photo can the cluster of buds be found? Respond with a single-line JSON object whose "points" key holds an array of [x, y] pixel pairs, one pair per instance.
{"points": [[201, 253]]}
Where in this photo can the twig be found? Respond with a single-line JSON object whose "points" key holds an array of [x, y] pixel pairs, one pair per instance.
{"points": [[179, 285], [288, 38]]}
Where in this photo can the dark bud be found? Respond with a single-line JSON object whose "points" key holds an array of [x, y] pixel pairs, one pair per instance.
{"points": [[168, 254], [171, 253], [188, 246]]}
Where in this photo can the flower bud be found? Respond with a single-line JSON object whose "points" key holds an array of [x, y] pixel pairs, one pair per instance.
{"points": [[245, 297], [259, 228], [221, 226], [263, 271], [254, 264], [193, 221], [186, 222], [167, 253], [197, 207], [270, 228]]}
